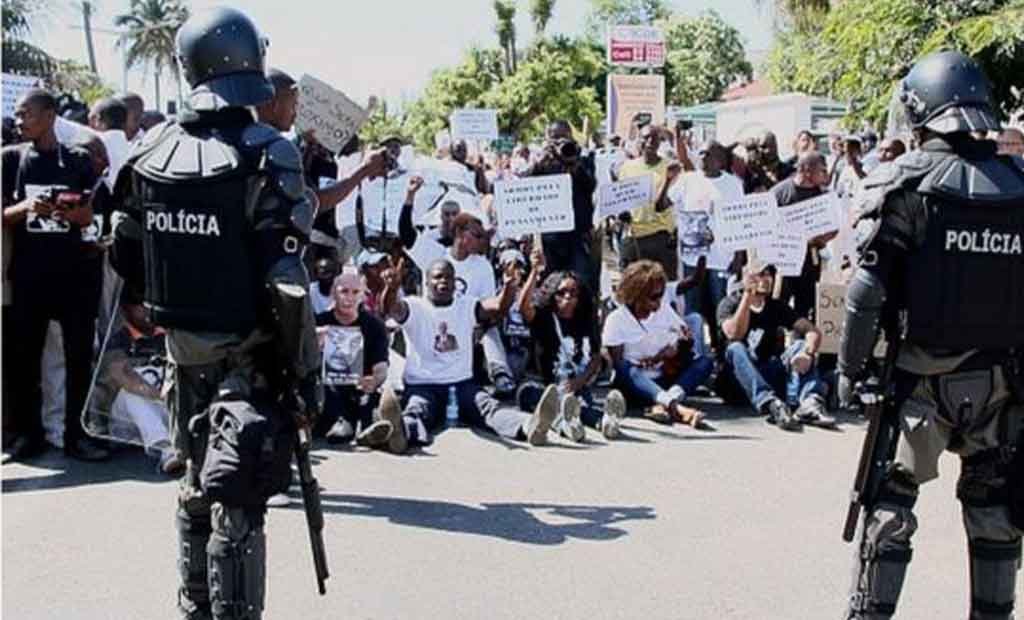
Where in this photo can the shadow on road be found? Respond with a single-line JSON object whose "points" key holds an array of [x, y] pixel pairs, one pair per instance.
{"points": [[515, 522], [126, 464]]}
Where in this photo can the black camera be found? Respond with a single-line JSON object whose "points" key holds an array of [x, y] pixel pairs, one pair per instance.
{"points": [[567, 149], [684, 125]]}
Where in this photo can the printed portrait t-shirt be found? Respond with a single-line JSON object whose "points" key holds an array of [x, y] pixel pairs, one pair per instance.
{"points": [[439, 341]]}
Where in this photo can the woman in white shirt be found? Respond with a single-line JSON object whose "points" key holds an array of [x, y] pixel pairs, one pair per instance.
{"points": [[652, 349]]}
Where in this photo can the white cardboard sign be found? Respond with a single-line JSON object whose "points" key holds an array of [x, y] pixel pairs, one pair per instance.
{"points": [[474, 124], [534, 205], [814, 216], [625, 195], [333, 116], [14, 86], [787, 251], [746, 224]]}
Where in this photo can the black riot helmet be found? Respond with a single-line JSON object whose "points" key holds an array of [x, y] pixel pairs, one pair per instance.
{"points": [[947, 92], [222, 54]]}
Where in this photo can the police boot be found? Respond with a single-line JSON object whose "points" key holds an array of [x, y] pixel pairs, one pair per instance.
{"points": [[881, 562], [193, 536], [994, 566], [236, 556]]}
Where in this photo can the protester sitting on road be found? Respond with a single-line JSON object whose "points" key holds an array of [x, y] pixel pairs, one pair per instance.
{"points": [[354, 345], [772, 377], [127, 403], [515, 332], [562, 320], [474, 276], [652, 349], [438, 330]]}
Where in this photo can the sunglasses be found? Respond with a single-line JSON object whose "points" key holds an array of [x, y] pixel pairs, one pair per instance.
{"points": [[567, 292]]}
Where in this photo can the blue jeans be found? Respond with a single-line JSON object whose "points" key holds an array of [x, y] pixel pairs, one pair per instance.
{"points": [[423, 411], [763, 380], [642, 390]]}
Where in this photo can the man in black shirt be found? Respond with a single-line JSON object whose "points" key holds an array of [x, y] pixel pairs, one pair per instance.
{"points": [[354, 345], [55, 274], [772, 377], [811, 176]]}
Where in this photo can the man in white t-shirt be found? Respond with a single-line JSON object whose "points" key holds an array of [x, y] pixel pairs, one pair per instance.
{"points": [[700, 192], [474, 275], [438, 330]]}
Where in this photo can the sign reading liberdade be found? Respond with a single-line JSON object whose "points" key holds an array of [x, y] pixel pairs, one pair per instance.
{"points": [[534, 205]]}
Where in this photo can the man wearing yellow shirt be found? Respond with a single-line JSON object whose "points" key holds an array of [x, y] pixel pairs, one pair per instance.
{"points": [[653, 226]]}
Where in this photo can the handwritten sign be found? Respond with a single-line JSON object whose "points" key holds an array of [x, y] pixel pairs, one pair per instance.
{"points": [[749, 223], [830, 316], [534, 205], [474, 124], [14, 86], [814, 216], [629, 95], [333, 116], [787, 251], [625, 195]]}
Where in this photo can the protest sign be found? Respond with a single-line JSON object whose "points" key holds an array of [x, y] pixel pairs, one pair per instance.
{"points": [[830, 315], [334, 117], [606, 161], [629, 95], [695, 236], [749, 223], [814, 216], [636, 46], [786, 250], [625, 195], [14, 86], [534, 205], [474, 124]]}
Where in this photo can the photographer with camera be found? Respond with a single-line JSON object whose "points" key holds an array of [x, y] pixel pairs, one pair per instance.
{"points": [[55, 274], [570, 251]]}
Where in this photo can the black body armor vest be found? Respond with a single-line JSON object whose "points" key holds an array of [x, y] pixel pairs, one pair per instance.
{"points": [[965, 284], [194, 190]]}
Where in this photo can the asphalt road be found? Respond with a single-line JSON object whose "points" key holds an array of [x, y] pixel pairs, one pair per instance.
{"points": [[743, 522]]}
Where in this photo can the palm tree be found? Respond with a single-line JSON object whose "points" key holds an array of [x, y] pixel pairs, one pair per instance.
{"points": [[540, 13], [19, 54], [87, 7], [506, 30], [149, 30]]}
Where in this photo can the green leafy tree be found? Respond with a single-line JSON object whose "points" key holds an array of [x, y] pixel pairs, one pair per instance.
{"points": [[150, 28], [705, 56], [380, 124], [619, 12], [73, 77], [864, 47], [540, 14], [20, 55]]}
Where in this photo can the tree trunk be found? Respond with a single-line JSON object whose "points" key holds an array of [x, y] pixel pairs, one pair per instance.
{"points": [[512, 51], [87, 27], [156, 85]]}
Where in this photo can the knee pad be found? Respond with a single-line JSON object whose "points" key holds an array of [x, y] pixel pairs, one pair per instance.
{"points": [[237, 564], [994, 566], [193, 536], [884, 551]]}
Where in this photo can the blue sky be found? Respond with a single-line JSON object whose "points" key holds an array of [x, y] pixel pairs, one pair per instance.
{"points": [[364, 47]]}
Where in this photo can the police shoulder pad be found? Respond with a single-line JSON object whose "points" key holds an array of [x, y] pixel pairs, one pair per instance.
{"points": [[179, 155], [990, 180]]}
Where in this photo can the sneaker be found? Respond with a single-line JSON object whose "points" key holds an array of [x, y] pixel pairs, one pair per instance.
{"points": [[537, 426], [504, 386], [779, 414], [571, 426], [375, 435], [390, 410], [278, 500], [614, 411], [812, 410], [340, 432]]}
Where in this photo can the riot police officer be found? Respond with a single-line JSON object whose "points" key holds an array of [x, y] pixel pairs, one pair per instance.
{"points": [[217, 218], [945, 256]]}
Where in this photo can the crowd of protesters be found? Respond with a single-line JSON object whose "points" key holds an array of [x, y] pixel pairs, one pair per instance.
{"points": [[436, 318]]}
